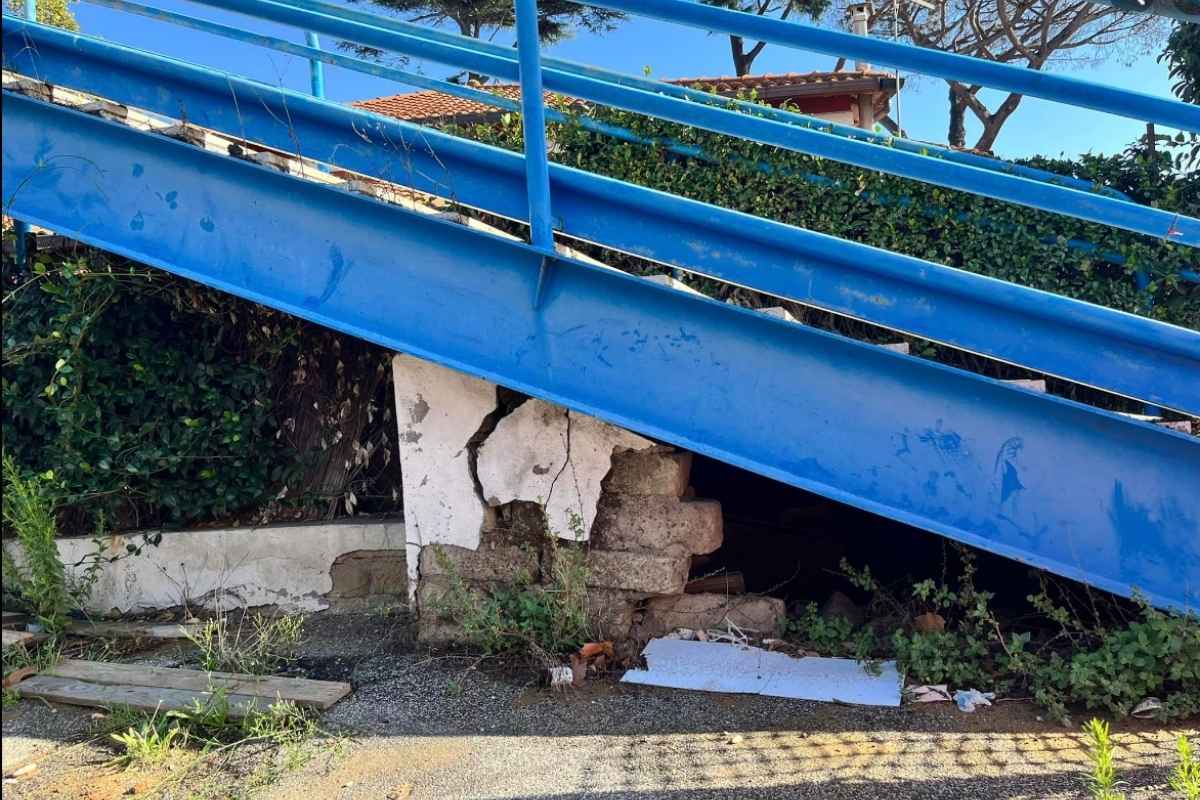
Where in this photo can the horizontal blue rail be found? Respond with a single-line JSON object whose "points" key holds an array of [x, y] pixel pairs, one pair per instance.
{"points": [[1068, 488], [951, 66], [1012, 188], [706, 98], [1100, 347]]}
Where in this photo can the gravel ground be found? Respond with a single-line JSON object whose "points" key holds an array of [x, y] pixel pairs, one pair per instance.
{"points": [[423, 725]]}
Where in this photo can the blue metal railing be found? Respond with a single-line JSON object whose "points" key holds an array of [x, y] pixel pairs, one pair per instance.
{"points": [[679, 92], [466, 53], [952, 66], [682, 104], [709, 98]]}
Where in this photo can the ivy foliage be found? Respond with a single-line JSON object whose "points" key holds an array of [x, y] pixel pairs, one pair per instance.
{"points": [[1098, 653], [156, 401], [1045, 251], [110, 383]]}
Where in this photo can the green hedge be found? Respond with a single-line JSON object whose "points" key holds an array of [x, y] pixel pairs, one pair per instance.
{"points": [[1005, 241], [159, 401]]}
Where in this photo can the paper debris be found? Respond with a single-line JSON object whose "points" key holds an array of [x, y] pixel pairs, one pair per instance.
{"points": [[722, 667], [970, 699]]}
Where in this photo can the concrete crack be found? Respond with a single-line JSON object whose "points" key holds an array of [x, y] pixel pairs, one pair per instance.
{"points": [[507, 401]]}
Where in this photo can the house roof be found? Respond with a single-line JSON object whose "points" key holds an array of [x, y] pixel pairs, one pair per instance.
{"points": [[789, 86]]}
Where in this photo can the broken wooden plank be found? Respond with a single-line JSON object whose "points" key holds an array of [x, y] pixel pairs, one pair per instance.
{"points": [[20, 638], [143, 698], [131, 630], [301, 691], [729, 583]]}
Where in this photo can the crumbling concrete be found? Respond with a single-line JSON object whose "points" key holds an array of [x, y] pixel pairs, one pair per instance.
{"points": [[541, 470], [545, 454], [364, 578], [491, 561], [648, 573]]}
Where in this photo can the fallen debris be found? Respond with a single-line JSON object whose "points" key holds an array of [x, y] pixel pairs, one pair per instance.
{"points": [[19, 638], [561, 677], [594, 656], [929, 623], [928, 694], [738, 669], [132, 630], [970, 699], [727, 583], [1147, 708], [102, 684], [18, 675]]}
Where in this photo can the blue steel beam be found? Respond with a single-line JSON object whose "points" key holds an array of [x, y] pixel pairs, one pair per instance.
{"points": [[1098, 208], [951, 66], [1129, 355], [1086, 494]]}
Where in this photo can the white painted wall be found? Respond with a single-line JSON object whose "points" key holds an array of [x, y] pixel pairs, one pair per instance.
{"points": [[285, 566]]}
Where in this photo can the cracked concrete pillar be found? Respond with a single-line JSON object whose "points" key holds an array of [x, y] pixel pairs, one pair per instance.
{"points": [[438, 411]]}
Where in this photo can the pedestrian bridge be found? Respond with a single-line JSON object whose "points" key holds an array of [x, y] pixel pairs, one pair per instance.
{"points": [[114, 146]]}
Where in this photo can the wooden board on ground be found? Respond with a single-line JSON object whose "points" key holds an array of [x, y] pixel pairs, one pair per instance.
{"points": [[147, 687], [131, 630], [143, 698], [14, 638]]}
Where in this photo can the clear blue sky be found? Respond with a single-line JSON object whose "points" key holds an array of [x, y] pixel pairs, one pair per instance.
{"points": [[670, 51]]}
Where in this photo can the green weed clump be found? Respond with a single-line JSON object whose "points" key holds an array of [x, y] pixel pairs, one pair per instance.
{"points": [[1185, 780], [28, 513], [1105, 659], [1102, 781], [255, 645], [542, 619], [208, 726]]}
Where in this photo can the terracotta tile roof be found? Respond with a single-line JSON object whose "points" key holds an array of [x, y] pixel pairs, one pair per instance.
{"points": [[429, 105], [835, 81]]}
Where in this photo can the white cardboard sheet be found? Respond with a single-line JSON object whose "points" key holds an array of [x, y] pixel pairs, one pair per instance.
{"points": [[722, 667]]}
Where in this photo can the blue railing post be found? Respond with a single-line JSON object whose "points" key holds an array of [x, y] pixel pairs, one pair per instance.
{"points": [[316, 74], [316, 68], [533, 124], [21, 229]]}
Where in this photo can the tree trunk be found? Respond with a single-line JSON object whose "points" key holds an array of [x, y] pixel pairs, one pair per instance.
{"points": [[737, 48], [957, 135], [994, 122], [743, 59]]}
